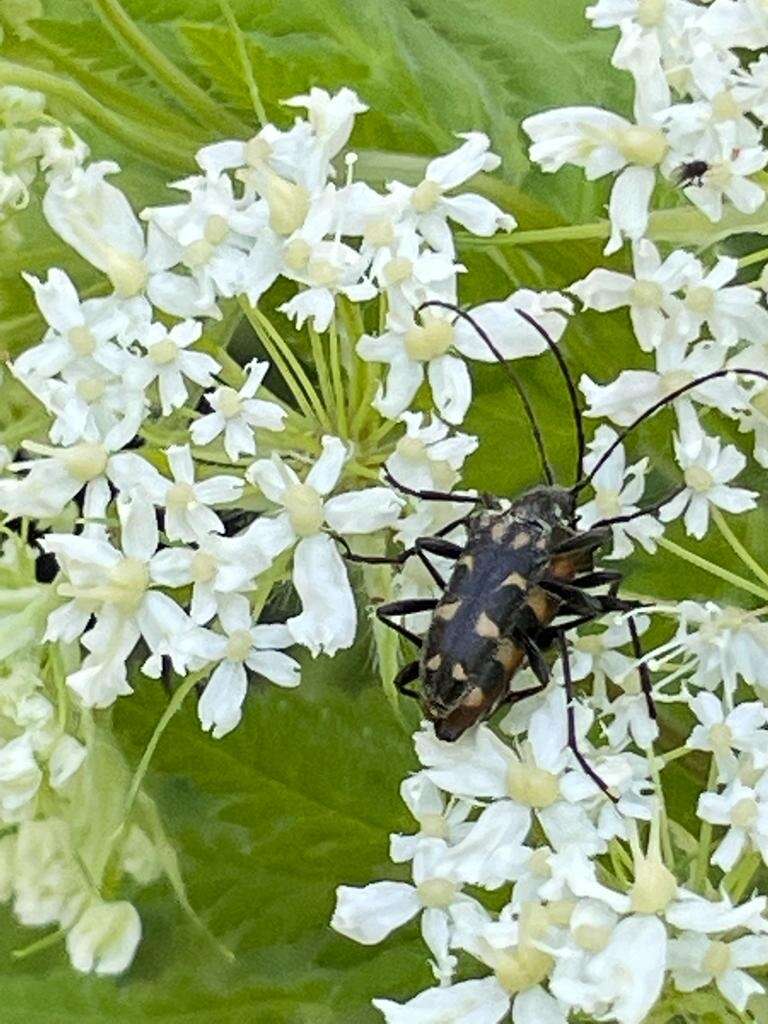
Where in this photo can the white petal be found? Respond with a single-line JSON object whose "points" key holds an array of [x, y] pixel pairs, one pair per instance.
{"points": [[320, 577], [325, 473], [362, 511], [369, 914]]}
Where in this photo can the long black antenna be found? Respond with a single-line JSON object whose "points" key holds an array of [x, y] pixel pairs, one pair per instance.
{"points": [[581, 443], [545, 467], [653, 409]]}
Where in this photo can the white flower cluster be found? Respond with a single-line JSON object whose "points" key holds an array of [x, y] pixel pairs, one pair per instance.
{"points": [[699, 111], [610, 907], [31, 142]]}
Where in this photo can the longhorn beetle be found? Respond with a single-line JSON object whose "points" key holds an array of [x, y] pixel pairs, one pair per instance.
{"points": [[524, 578]]}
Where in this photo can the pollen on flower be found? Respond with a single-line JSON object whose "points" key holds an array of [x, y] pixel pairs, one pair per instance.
{"points": [[86, 461], [216, 229], [323, 273], [522, 968], [203, 567], [647, 294], [425, 196], [239, 645], [437, 892], [718, 958], [181, 496], [229, 403], [91, 389], [397, 270], [700, 299], [162, 353], [257, 151], [724, 106], [644, 146], [297, 253], [698, 479], [654, 886], [429, 341], [532, 786], [197, 254], [129, 582], [82, 340], [744, 812], [379, 231], [592, 937], [305, 509], [128, 274], [434, 825], [651, 12], [288, 204]]}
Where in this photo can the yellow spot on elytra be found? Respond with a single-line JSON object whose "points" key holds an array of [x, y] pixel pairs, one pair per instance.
{"points": [[468, 561], [509, 655], [434, 662], [521, 540], [498, 532], [459, 672], [447, 611], [514, 580], [485, 626], [474, 698]]}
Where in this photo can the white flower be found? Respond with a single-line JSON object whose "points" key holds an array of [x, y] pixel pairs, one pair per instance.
{"points": [[696, 961], [429, 208], [708, 469], [470, 1002], [96, 219], [620, 979], [634, 391], [744, 809], [512, 335], [62, 473], [241, 645], [237, 414], [743, 23], [409, 274], [168, 362], [369, 914], [730, 178], [742, 729], [319, 574], [218, 567], [187, 515], [603, 142], [48, 883], [116, 587], [426, 457], [650, 294], [732, 314], [437, 818], [20, 776], [105, 938], [331, 117], [618, 488]]}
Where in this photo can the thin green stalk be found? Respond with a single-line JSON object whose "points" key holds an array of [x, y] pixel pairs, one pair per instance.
{"points": [[157, 148], [242, 53], [666, 843], [52, 939], [714, 570], [174, 705], [567, 233], [295, 364], [275, 354], [338, 385], [738, 547], [321, 367], [701, 867], [364, 408], [754, 257], [146, 55]]}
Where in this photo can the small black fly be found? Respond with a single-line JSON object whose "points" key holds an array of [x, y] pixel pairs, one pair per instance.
{"points": [[525, 577], [691, 173]]}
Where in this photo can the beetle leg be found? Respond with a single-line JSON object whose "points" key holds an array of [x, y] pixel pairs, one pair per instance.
{"points": [[536, 661], [597, 578], [588, 541], [403, 556], [436, 546], [429, 495], [405, 607], [577, 600], [642, 668], [407, 674], [570, 711]]}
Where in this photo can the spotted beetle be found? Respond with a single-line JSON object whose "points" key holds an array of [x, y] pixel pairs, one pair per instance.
{"points": [[522, 580]]}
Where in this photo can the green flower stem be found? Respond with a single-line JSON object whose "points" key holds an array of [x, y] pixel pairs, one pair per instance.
{"points": [[158, 148], [321, 368], [673, 755], [738, 878], [276, 354], [51, 939], [701, 868], [714, 570], [737, 546], [370, 386], [242, 53], [338, 385], [147, 56], [567, 233], [754, 257], [666, 842], [174, 705]]}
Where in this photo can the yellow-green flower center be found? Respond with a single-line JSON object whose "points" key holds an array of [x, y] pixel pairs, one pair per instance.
{"points": [[305, 509]]}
